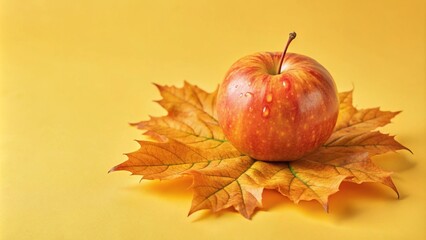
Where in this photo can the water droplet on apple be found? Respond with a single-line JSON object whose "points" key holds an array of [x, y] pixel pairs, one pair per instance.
{"points": [[241, 94], [248, 94], [269, 97], [250, 109], [265, 111], [249, 83], [284, 83]]}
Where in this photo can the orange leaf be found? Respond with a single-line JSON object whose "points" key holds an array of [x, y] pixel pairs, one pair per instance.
{"points": [[168, 160], [191, 118], [189, 141], [228, 184], [306, 180]]}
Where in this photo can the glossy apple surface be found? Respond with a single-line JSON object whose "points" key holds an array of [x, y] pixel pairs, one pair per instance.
{"points": [[277, 117]]}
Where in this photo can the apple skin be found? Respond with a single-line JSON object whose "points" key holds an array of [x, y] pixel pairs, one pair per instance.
{"points": [[277, 117]]}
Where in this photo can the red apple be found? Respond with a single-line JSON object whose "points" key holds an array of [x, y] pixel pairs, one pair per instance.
{"points": [[274, 106]]}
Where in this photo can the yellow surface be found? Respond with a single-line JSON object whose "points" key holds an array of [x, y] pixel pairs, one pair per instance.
{"points": [[74, 73]]}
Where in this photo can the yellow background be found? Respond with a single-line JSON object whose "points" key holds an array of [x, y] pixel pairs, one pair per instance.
{"points": [[74, 73]]}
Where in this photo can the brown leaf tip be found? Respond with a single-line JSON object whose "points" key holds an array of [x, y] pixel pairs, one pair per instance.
{"points": [[113, 169]]}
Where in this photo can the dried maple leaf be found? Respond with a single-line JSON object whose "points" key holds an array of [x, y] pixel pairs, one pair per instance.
{"points": [[189, 141]]}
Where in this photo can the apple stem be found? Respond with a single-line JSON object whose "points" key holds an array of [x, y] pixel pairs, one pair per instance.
{"points": [[291, 36]]}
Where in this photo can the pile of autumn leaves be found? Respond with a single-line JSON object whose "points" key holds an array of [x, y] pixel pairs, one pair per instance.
{"points": [[189, 141]]}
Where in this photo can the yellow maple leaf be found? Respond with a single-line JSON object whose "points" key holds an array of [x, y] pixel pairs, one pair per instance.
{"points": [[189, 141]]}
